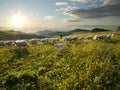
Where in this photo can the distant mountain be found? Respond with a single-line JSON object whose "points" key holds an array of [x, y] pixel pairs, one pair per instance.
{"points": [[13, 35], [44, 32], [78, 31], [99, 30], [56, 33]]}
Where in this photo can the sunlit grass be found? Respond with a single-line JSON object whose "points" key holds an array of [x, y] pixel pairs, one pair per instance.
{"points": [[80, 65]]}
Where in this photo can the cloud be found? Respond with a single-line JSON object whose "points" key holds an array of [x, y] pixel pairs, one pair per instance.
{"points": [[82, 1], [111, 2], [71, 20], [110, 9], [61, 3], [67, 8], [71, 8], [48, 17]]}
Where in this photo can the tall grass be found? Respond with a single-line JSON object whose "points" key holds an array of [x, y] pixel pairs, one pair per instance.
{"points": [[80, 65]]}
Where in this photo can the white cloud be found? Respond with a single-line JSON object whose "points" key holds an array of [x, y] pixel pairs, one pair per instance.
{"points": [[61, 3], [92, 13], [70, 20], [111, 2], [71, 8], [48, 17], [82, 1]]}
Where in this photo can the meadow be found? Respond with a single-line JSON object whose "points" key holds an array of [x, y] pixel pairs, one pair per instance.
{"points": [[80, 65]]}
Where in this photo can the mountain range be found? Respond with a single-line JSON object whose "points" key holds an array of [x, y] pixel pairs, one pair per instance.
{"points": [[64, 33], [14, 35]]}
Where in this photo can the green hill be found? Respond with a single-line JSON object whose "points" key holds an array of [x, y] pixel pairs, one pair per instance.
{"points": [[13, 35], [99, 30]]}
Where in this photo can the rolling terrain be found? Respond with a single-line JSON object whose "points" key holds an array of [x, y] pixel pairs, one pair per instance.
{"points": [[80, 65], [65, 33], [14, 35]]}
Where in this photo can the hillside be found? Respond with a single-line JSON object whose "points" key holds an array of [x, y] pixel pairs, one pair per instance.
{"points": [[99, 30], [65, 33], [13, 35], [80, 65], [44, 32]]}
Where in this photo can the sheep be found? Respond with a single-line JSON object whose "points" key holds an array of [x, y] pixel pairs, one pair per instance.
{"points": [[96, 37], [112, 35], [67, 38], [81, 38], [1, 43], [108, 37], [102, 37], [44, 39], [8, 43], [89, 37], [34, 40], [54, 39], [75, 38], [59, 46], [20, 43]]}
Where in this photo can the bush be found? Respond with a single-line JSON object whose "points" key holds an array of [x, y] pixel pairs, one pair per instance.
{"points": [[20, 52]]}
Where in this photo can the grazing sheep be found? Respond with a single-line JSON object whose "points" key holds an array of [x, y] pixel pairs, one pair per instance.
{"points": [[102, 37], [89, 37], [1, 43], [20, 43], [108, 37], [112, 35], [81, 38], [34, 40], [75, 38], [59, 46], [67, 38], [44, 39], [8, 43], [96, 37], [54, 39]]}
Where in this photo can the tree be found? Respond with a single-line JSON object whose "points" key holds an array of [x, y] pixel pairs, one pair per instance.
{"points": [[118, 29]]}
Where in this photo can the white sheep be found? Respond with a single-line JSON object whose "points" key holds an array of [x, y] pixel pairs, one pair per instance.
{"points": [[8, 43], [108, 37], [75, 38], [112, 35], [44, 39], [81, 38], [20, 43], [89, 37], [33, 40], [102, 37], [96, 37], [59, 46], [67, 38], [54, 39]]}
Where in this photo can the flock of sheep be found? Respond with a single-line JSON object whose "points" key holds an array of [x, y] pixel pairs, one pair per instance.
{"points": [[20, 43]]}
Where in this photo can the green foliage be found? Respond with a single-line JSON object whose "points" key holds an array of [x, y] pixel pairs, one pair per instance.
{"points": [[24, 81], [80, 65], [19, 52]]}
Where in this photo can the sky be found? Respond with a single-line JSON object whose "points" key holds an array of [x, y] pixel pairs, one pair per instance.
{"points": [[35, 15]]}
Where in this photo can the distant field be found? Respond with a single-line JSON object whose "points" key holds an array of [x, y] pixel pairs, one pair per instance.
{"points": [[80, 65]]}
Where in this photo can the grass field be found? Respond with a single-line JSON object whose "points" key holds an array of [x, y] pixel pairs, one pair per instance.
{"points": [[80, 65]]}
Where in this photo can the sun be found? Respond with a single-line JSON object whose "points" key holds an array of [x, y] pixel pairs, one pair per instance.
{"points": [[17, 21]]}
